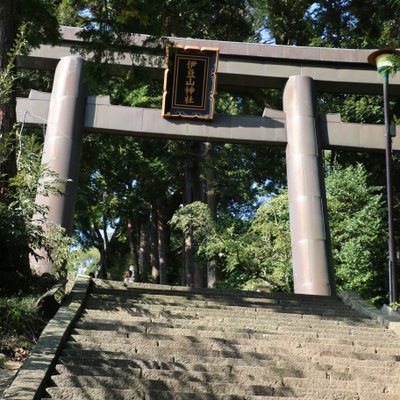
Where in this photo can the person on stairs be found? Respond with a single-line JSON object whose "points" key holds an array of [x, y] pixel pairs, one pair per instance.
{"points": [[127, 277]]}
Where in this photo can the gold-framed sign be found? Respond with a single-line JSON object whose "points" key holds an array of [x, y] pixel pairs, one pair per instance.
{"points": [[190, 82]]}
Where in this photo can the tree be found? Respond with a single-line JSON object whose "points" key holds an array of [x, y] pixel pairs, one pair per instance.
{"points": [[285, 22], [358, 230], [258, 251], [40, 26], [38, 18], [327, 23]]}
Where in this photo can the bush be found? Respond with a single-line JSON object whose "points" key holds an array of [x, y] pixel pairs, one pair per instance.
{"points": [[20, 323]]}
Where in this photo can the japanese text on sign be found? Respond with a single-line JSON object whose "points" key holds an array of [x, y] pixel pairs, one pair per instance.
{"points": [[190, 82]]}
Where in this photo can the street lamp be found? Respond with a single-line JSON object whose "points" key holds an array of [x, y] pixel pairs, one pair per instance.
{"points": [[384, 64]]}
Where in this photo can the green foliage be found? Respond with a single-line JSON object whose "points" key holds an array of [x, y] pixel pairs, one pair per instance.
{"points": [[22, 221], [358, 231], [260, 249], [246, 250], [17, 314], [362, 109], [40, 19], [20, 322], [208, 19], [195, 217], [288, 22], [328, 23], [395, 67], [395, 306], [83, 261], [7, 76]]}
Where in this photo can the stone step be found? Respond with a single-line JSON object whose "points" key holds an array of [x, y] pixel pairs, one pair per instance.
{"points": [[226, 358], [144, 324], [250, 375], [107, 393], [183, 312], [226, 325], [144, 386], [211, 373], [137, 394], [188, 312], [221, 334], [355, 385], [201, 306], [244, 346], [233, 325], [248, 352], [173, 385], [273, 312], [275, 326], [332, 369], [273, 335], [219, 302], [271, 385], [223, 296]]}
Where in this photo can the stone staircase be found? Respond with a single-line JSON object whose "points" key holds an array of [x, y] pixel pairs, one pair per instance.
{"points": [[155, 342]]}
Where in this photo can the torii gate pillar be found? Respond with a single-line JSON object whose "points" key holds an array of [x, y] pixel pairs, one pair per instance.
{"points": [[311, 254], [62, 146]]}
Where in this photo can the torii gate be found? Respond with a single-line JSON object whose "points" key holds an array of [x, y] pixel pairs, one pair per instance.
{"points": [[69, 112]]}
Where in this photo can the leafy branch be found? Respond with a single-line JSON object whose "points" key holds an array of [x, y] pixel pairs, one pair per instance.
{"points": [[7, 76]]}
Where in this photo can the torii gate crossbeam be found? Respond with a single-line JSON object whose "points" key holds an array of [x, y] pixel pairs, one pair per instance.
{"points": [[241, 65]]}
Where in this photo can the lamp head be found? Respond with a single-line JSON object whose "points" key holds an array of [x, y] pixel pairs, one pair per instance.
{"points": [[381, 59]]}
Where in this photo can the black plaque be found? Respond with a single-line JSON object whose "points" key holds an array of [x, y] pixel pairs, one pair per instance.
{"points": [[190, 82]]}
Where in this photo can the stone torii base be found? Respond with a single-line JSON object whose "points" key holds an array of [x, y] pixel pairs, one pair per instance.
{"points": [[298, 128]]}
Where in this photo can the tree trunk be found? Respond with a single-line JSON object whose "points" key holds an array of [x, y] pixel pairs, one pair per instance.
{"points": [[212, 206], [210, 180], [183, 263], [199, 268], [102, 247], [154, 261], [187, 248], [172, 204], [133, 251], [144, 246], [195, 271], [162, 251], [197, 186], [102, 274]]}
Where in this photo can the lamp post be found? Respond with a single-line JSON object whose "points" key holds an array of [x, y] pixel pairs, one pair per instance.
{"points": [[384, 66]]}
